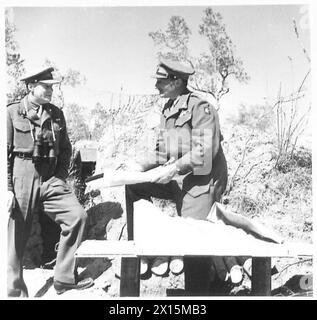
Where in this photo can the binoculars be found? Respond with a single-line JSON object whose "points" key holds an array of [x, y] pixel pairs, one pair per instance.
{"points": [[43, 150]]}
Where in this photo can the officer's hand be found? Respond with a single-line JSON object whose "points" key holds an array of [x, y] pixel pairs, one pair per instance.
{"points": [[131, 166], [10, 200], [164, 174]]}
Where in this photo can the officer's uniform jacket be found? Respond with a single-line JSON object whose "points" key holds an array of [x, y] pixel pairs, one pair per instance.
{"points": [[19, 138], [190, 133]]}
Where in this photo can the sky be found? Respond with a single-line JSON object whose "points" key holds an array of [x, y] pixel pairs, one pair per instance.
{"points": [[110, 45]]}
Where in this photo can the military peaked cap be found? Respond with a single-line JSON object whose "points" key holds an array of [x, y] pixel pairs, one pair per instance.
{"points": [[172, 69], [44, 76]]}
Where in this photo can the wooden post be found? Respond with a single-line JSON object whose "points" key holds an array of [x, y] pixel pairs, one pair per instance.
{"points": [[197, 275], [130, 277], [261, 276], [130, 267], [129, 214]]}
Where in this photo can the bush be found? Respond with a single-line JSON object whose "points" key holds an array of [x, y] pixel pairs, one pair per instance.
{"points": [[254, 116], [300, 158], [303, 158]]}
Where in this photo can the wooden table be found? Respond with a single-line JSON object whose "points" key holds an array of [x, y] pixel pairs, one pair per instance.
{"points": [[196, 271]]}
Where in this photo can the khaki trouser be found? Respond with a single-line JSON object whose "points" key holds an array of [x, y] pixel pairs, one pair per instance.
{"points": [[196, 207], [188, 205], [57, 200]]}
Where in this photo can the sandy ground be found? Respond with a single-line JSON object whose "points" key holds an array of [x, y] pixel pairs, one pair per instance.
{"points": [[105, 273]]}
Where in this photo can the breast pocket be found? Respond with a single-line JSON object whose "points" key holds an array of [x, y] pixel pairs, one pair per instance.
{"points": [[22, 135], [183, 120], [183, 134]]}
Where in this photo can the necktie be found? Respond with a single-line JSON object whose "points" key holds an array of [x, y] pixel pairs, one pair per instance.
{"points": [[39, 111]]}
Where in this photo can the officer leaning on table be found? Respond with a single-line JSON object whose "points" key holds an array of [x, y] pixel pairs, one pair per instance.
{"points": [[38, 159], [194, 172]]}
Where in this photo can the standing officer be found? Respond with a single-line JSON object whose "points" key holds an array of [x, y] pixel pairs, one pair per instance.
{"points": [[193, 169], [38, 158]]}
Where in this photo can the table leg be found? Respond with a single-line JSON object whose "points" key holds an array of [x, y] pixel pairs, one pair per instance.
{"points": [[130, 277], [197, 275], [261, 276]]}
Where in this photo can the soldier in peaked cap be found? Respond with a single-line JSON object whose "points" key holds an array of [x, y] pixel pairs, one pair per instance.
{"points": [[170, 69], [190, 134], [193, 168], [43, 76], [39, 152]]}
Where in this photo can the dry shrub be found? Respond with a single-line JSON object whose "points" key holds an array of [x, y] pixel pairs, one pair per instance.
{"points": [[300, 158], [254, 116], [303, 158], [248, 206], [294, 183]]}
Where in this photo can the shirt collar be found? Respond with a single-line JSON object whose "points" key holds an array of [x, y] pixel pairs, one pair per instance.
{"points": [[173, 107]]}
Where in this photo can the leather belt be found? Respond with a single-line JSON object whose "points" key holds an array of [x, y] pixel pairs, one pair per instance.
{"points": [[23, 155]]}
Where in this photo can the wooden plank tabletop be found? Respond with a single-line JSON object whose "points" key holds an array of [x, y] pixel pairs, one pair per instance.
{"points": [[104, 248]]}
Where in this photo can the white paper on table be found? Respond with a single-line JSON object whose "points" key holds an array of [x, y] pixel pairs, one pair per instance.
{"points": [[115, 178]]}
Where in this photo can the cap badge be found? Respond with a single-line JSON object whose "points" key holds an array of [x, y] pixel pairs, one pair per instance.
{"points": [[207, 110]]}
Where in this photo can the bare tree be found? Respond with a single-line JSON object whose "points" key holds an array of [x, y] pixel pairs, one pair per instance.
{"points": [[213, 68]]}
